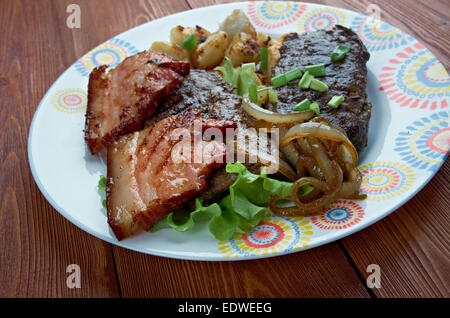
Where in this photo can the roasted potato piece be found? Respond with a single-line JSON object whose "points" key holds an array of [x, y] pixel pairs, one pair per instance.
{"points": [[174, 50], [211, 52], [263, 39], [235, 23], [273, 55], [179, 33], [243, 49]]}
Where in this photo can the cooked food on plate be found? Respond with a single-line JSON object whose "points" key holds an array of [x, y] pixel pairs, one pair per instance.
{"points": [[346, 78], [224, 127], [146, 181], [121, 99]]}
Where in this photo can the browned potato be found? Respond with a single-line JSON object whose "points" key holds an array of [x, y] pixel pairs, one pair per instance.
{"points": [[235, 23], [273, 55], [243, 49], [174, 50], [211, 52], [263, 39], [179, 33]]}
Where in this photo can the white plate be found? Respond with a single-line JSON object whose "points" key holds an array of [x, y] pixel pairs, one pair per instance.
{"points": [[408, 136]]}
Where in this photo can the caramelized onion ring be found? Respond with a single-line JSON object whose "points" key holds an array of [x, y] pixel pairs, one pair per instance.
{"points": [[263, 114], [322, 131], [324, 152]]}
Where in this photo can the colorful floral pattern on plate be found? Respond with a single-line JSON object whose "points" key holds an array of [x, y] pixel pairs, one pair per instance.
{"points": [[111, 53], [320, 19], [274, 235], [70, 100], [378, 35], [384, 180], [274, 14], [424, 144], [339, 215], [415, 78]]}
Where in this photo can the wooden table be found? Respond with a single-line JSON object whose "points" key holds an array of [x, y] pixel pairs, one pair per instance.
{"points": [[37, 243]]}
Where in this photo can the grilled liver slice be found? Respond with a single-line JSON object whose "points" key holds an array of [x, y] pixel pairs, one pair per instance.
{"points": [[347, 78]]}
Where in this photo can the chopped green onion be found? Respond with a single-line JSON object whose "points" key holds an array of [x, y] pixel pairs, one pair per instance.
{"points": [[252, 93], [303, 105], [316, 70], [336, 101], [190, 42], [246, 79], [235, 80], [315, 107], [293, 74], [262, 92], [264, 58], [339, 53], [318, 85], [249, 68], [279, 80], [285, 78], [305, 81], [273, 96]]}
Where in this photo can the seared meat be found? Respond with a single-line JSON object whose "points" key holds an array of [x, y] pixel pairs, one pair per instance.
{"points": [[347, 78], [206, 94], [150, 173], [120, 100]]}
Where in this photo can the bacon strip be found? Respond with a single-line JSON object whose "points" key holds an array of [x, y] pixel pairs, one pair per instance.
{"points": [[150, 174], [120, 100]]}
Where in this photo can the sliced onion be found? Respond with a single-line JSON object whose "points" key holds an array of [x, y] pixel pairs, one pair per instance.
{"points": [[321, 157], [291, 154], [326, 154], [322, 131], [263, 114], [273, 161], [282, 211], [300, 167]]}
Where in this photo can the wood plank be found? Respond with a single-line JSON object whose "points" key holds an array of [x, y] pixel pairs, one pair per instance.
{"points": [[319, 272], [37, 243], [411, 245]]}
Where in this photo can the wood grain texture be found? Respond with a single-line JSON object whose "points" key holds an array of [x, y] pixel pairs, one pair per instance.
{"points": [[37, 244], [411, 245], [319, 272]]}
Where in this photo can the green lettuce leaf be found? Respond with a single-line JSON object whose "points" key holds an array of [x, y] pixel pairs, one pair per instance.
{"points": [[239, 78], [101, 186], [242, 209], [229, 73]]}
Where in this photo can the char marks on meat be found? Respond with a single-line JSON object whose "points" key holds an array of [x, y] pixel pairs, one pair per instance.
{"points": [[205, 94], [120, 100], [347, 78], [150, 173]]}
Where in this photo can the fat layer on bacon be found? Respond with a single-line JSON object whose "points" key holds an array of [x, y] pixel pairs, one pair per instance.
{"points": [[150, 173], [119, 100]]}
